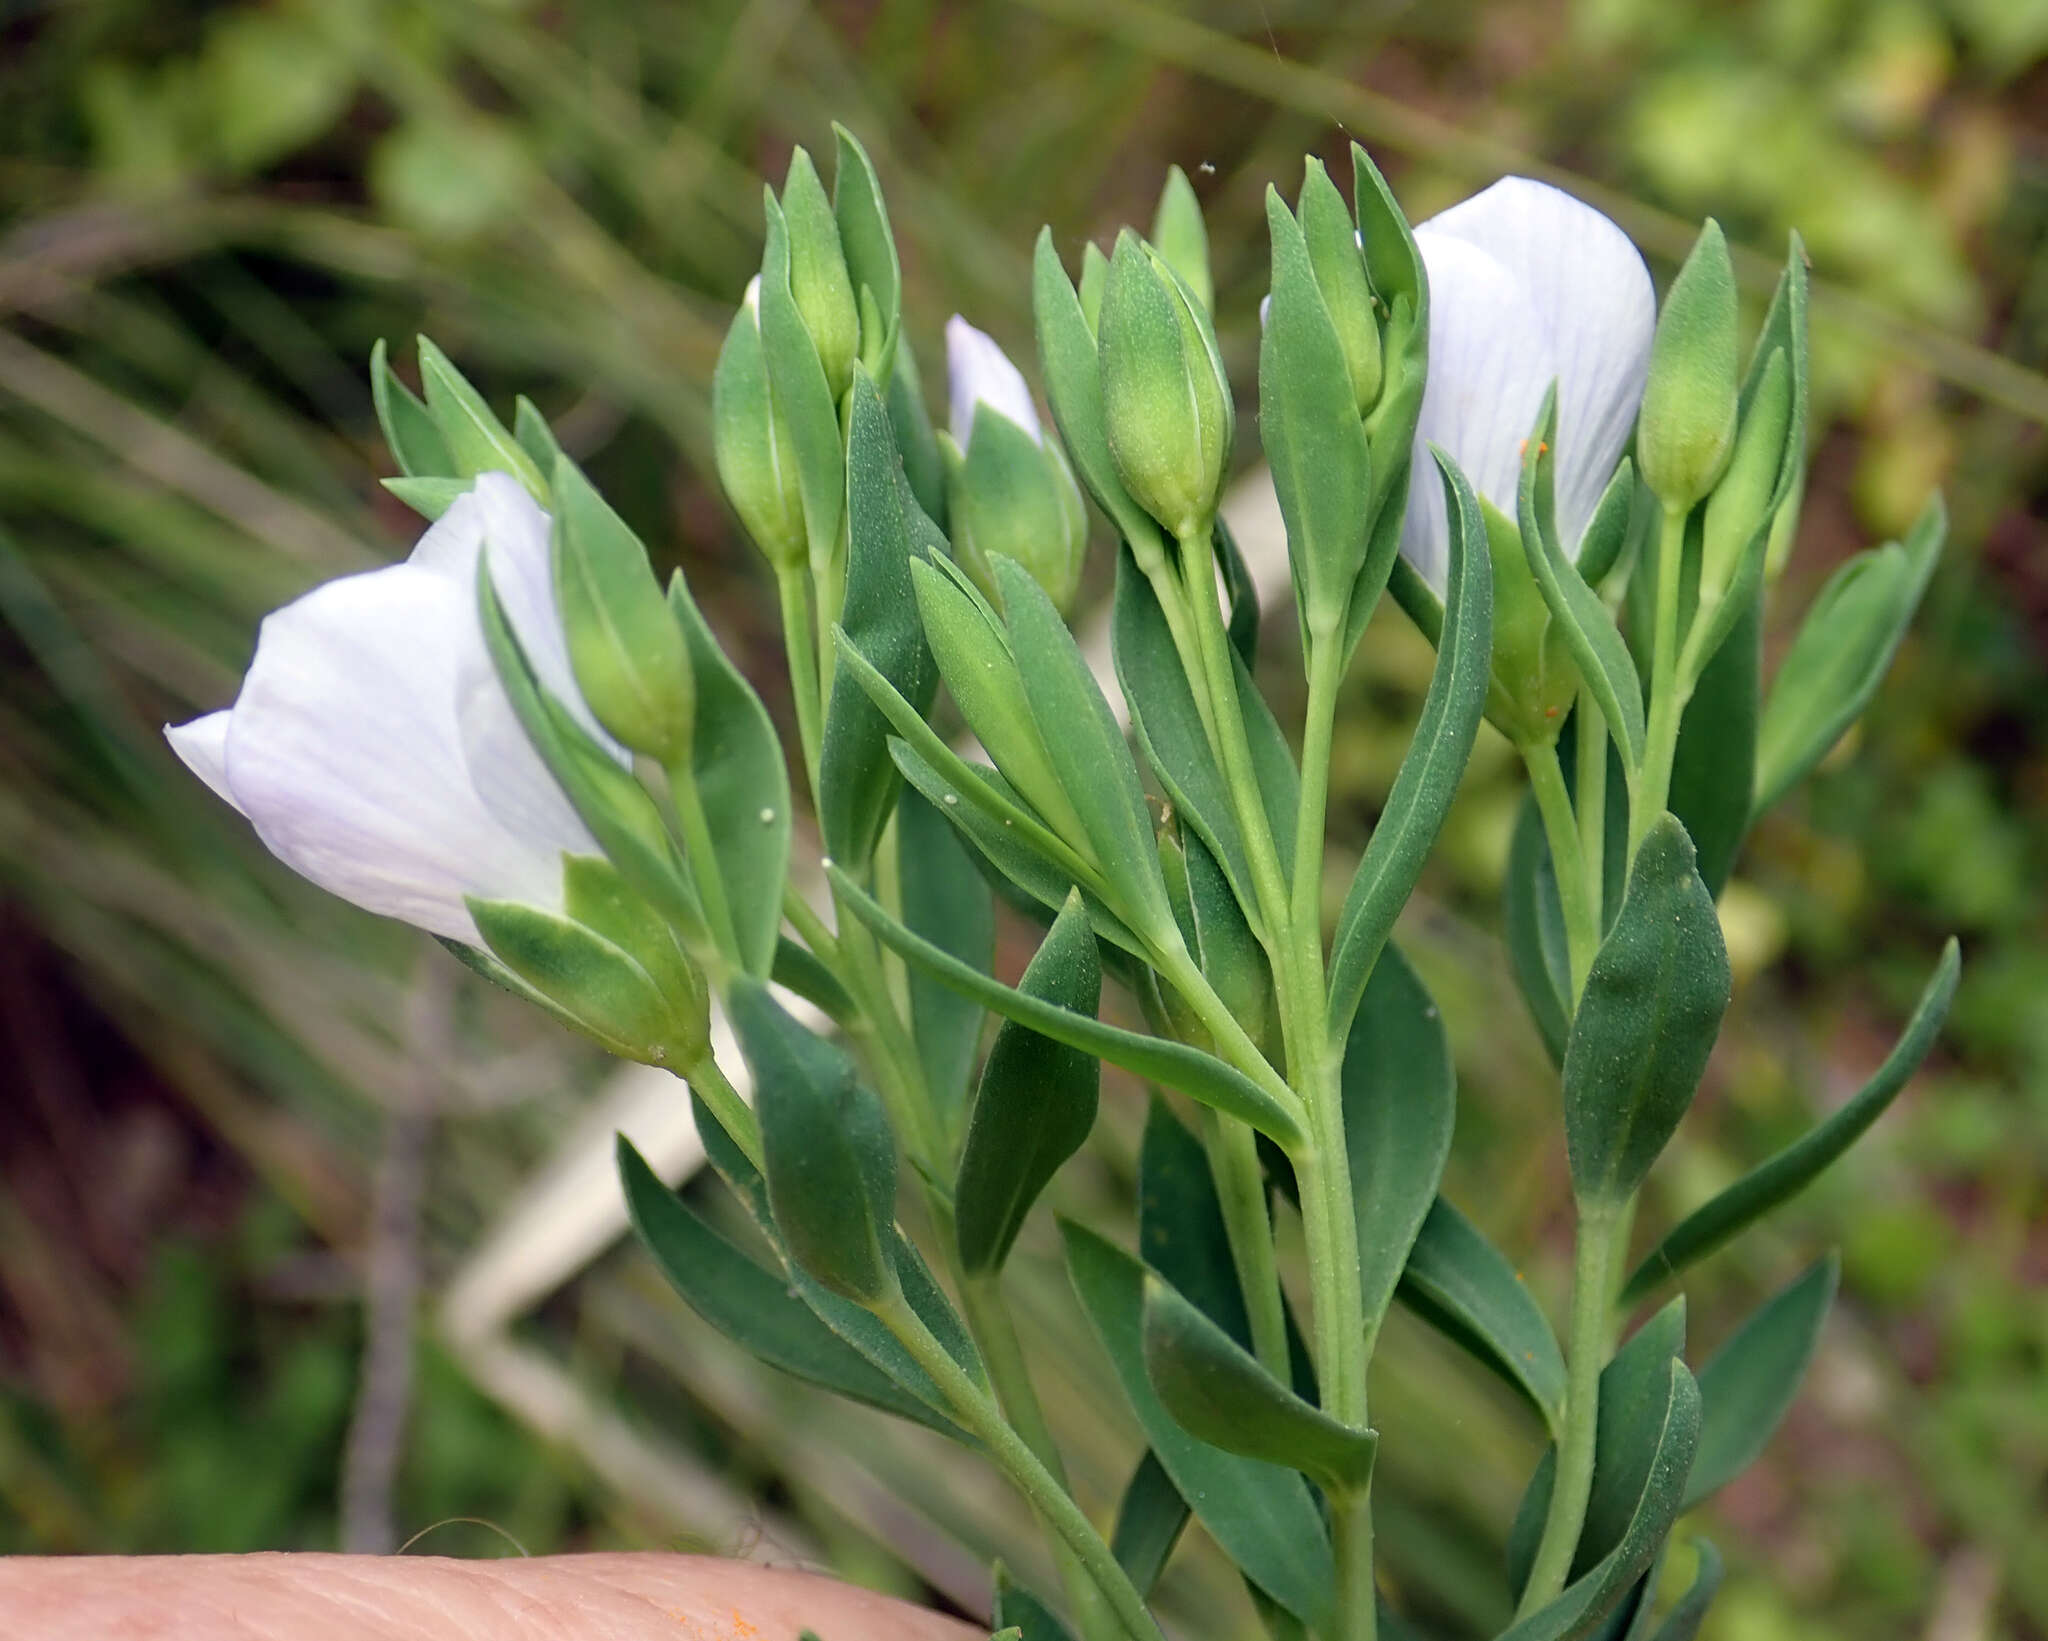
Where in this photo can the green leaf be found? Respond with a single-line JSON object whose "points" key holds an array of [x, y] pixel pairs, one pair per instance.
{"points": [[818, 279], [886, 531], [476, 440], [801, 393], [1646, 1023], [750, 1304], [1243, 628], [1168, 725], [535, 437], [616, 808], [985, 811], [409, 427], [742, 781], [1605, 665], [1182, 238], [1785, 1175], [1022, 1613], [1400, 1102], [1216, 1390], [1181, 1232], [429, 498], [870, 247], [1261, 1515], [1088, 751], [1748, 1384], [1036, 1102], [1308, 422], [628, 654], [1662, 1462], [796, 969], [852, 1322], [597, 984], [1713, 770], [1683, 1622], [1200, 1076], [1073, 385], [1149, 1521], [923, 470], [1330, 232], [1843, 649], [1429, 774], [947, 901], [1460, 1284], [830, 1161], [1532, 925], [1607, 530]]}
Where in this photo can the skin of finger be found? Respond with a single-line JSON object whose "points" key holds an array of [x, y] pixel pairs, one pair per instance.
{"points": [[643, 1597]]}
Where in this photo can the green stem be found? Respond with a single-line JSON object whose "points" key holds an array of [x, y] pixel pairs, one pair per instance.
{"points": [[1653, 790], [1232, 748], [734, 1115], [1038, 1485], [804, 918], [1592, 807], [1233, 1042], [1002, 1352], [1325, 675], [1241, 1189], [1591, 1339], [1358, 1615], [703, 859], [1561, 827], [800, 643]]}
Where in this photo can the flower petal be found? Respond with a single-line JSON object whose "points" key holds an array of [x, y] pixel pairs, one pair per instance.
{"points": [[350, 750], [1592, 293], [203, 745], [978, 372], [1490, 362]]}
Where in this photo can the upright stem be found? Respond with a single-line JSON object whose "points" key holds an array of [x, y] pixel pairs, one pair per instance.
{"points": [[1600, 1240], [1574, 890], [800, 643], [734, 1115], [1241, 1190], [1023, 1467], [1592, 807], [1653, 791], [1325, 675]]}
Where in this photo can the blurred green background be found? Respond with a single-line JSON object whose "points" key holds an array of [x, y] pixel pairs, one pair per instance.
{"points": [[229, 1105]]}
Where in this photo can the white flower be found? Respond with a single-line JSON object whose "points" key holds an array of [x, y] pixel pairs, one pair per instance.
{"points": [[372, 746], [978, 373], [1527, 286]]}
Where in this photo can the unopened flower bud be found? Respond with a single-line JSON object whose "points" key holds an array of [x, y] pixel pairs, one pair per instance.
{"points": [[1337, 254], [1740, 504], [1166, 402], [817, 273], [1687, 426], [751, 443], [1009, 490]]}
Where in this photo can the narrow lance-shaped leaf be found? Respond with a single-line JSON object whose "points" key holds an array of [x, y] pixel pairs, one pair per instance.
{"points": [[1843, 649], [750, 1304], [1216, 1390], [829, 1159], [1036, 1102], [1747, 1385], [802, 393], [1308, 421], [1596, 643], [1683, 1622], [742, 782], [1149, 1521], [870, 248], [1429, 774], [1200, 1076], [1785, 1175], [1261, 1515], [1646, 1022], [409, 427], [946, 900], [1020, 1613], [1532, 926], [476, 441], [886, 530], [1400, 1098], [1459, 1283]]}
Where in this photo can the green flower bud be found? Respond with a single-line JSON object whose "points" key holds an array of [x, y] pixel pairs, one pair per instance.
{"points": [[1338, 258], [1094, 280], [751, 444], [817, 273], [624, 645], [1741, 502], [1166, 402], [1182, 238], [1009, 490], [1687, 426]]}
